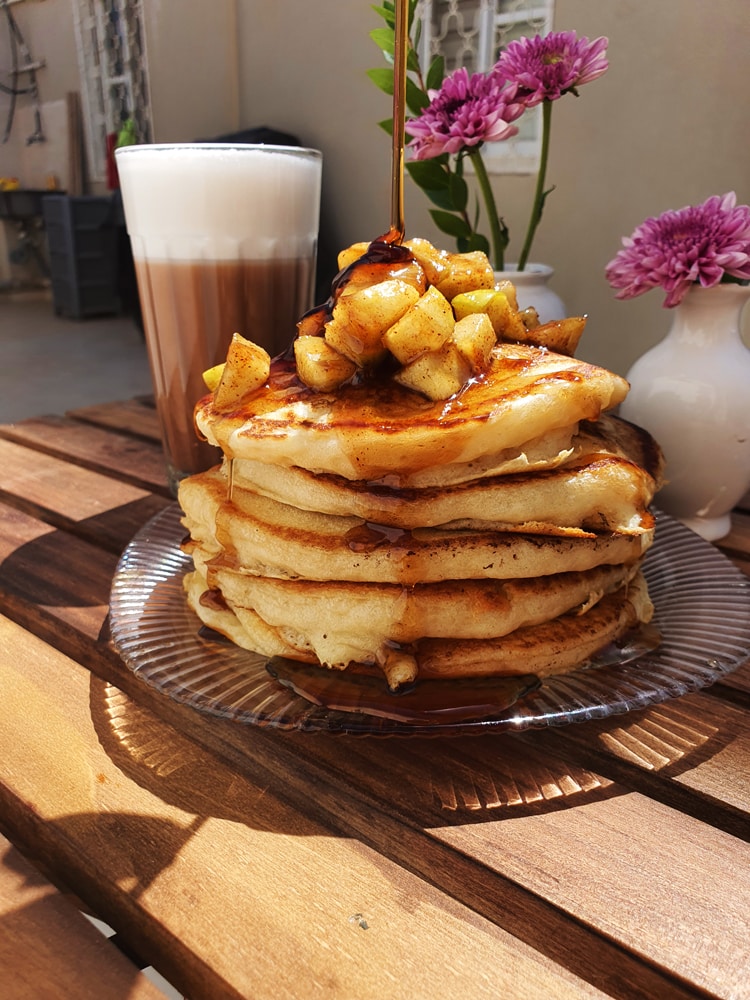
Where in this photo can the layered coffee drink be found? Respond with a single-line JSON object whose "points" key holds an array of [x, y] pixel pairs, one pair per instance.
{"points": [[190, 311], [224, 241]]}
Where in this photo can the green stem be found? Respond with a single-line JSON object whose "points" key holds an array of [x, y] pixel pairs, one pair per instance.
{"points": [[499, 233], [538, 204]]}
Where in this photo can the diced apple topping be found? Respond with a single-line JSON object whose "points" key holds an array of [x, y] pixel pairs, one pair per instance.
{"points": [[351, 254], [466, 272], [212, 376], [425, 326], [360, 320], [319, 365], [438, 374], [559, 335], [437, 315], [247, 367], [474, 337], [435, 263]]}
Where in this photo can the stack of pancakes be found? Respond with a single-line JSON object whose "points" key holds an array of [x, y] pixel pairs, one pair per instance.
{"points": [[500, 531]]}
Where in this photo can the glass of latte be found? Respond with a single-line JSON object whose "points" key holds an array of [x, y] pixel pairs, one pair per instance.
{"points": [[224, 240]]}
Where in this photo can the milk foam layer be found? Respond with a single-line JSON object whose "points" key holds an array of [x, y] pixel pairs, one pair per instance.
{"points": [[220, 202]]}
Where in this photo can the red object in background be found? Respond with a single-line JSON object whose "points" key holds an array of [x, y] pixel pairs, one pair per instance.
{"points": [[113, 180]]}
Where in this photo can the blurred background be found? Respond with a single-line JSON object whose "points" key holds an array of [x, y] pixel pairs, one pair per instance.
{"points": [[666, 126]]}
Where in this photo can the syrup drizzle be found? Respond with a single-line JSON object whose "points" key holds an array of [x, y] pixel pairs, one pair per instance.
{"points": [[386, 251], [397, 230]]}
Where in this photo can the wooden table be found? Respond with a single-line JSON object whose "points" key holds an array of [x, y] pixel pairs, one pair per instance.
{"points": [[608, 859]]}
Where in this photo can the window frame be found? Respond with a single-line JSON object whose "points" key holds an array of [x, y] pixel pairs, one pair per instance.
{"points": [[519, 154]]}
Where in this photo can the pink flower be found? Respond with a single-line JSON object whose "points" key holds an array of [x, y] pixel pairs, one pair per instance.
{"points": [[699, 244], [546, 67], [466, 111]]}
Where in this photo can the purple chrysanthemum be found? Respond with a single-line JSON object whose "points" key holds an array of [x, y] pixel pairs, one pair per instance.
{"points": [[547, 66], [466, 111], [695, 245]]}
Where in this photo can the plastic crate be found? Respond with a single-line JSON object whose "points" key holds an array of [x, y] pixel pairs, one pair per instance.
{"points": [[82, 241]]}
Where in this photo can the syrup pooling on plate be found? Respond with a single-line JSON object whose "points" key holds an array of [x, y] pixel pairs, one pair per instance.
{"points": [[429, 703]]}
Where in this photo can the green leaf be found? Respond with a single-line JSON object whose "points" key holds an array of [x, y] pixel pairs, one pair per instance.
{"points": [[382, 78], [412, 59], [453, 225], [386, 125], [387, 14], [440, 198], [459, 192], [385, 39], [474, 242], [416, 99], [429, 174], [436, 73]]}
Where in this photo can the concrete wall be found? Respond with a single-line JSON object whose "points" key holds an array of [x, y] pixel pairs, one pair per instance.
{"points": [[667, 126]]}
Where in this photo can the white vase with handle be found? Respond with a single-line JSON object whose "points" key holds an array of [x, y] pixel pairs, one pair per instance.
{"points": [[692, 392]]}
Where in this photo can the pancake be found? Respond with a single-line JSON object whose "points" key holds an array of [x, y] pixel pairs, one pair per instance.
{"points": [[596, 493], [376, 428], [264, 537], [419, 488], [557, 646], [344, 622]]}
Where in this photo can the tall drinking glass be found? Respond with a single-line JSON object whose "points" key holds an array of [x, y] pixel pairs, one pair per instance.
{"points": [[224, 240]]}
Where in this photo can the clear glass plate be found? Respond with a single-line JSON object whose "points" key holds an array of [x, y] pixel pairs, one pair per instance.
{"points": [[702, 606]]}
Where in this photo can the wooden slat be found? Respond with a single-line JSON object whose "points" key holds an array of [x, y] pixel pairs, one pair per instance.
{"points": [[160, 840], [131, 460], [452, 778], [89, 504], [133, 416], [49, 950]]}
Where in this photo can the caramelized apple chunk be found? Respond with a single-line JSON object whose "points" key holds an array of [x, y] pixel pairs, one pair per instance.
{"points": [[425, 326], [246, 369], [319, 366], [465, 272], [438, 374], [474, 337], [435, 263], [360, 320]]}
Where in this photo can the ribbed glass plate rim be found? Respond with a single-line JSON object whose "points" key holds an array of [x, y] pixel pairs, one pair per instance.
{"points": [[702, 604]]}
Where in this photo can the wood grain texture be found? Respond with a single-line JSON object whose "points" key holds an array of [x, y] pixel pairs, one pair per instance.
{"points": [[223, 886], [607, 859], [139, 462], [87, 503], [136, 417], [49, 951]]}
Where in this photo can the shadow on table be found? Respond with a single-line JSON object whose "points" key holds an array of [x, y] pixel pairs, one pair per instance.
{"points": [[432, 782]]}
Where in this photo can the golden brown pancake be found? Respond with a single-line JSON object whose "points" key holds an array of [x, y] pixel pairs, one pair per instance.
{"points": [[265, 537], [378, 428], [556, 646]]}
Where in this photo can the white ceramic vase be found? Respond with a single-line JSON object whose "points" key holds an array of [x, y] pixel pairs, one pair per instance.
{"points": [[692, 392], [532, 289]]}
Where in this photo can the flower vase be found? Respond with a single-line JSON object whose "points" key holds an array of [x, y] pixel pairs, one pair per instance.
{"points": [[532, 289], [692, 392]]}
